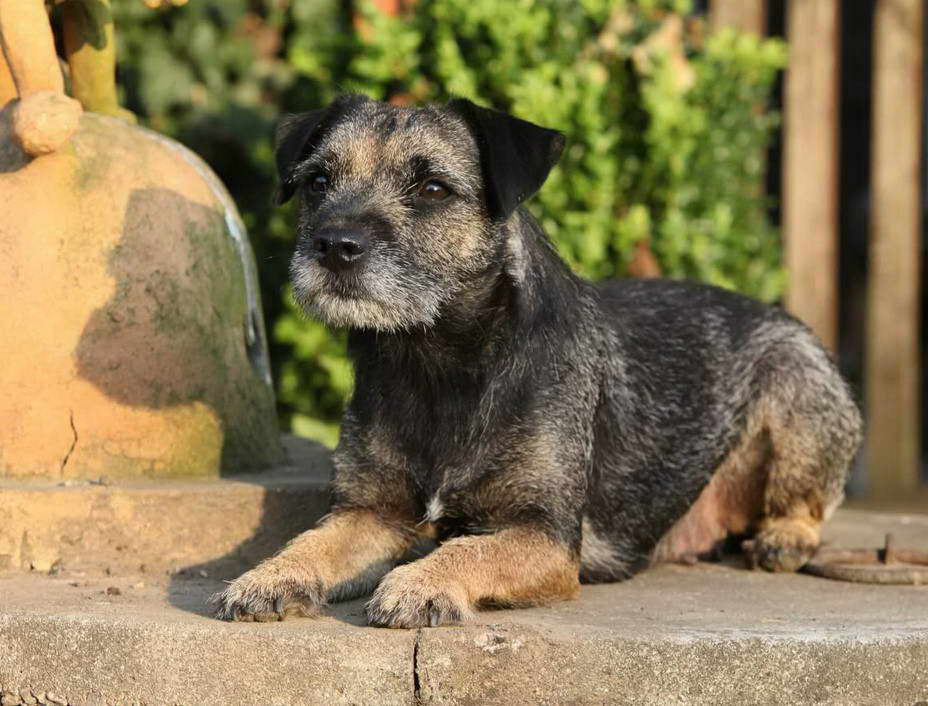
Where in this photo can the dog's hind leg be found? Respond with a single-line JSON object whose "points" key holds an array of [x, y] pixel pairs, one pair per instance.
{"points": [[814, 429]]}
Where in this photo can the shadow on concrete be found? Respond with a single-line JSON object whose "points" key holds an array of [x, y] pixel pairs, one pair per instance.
{"points": [[191, 595], [295, 496]]}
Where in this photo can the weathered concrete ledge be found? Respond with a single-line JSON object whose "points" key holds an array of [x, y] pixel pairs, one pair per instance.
{"points": [[153, 526], [713, 633]]}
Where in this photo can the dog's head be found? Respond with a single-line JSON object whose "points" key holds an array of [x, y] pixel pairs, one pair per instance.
{"points": [[400, 207]]}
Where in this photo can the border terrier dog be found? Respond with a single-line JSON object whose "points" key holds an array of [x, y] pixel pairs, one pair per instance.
{"points": [[543, 430]]}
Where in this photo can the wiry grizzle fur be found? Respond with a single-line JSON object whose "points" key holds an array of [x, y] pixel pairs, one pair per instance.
{"points": [[542, 429]]}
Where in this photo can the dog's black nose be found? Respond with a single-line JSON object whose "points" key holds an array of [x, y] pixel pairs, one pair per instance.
{"points": [[339, 248]]}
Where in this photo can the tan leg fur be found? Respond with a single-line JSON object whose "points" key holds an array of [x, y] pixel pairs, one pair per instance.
{"points": [[513, 567], [342, 558]]}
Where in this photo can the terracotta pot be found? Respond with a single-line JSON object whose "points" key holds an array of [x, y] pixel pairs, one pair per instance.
{"points": [[131, 339]]}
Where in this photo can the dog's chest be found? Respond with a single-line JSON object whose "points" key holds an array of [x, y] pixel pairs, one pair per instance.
{"points": [[431, 433], [442, 464]]}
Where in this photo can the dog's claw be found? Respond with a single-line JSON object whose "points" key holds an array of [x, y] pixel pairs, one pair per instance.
{"points": [[241, 616]]}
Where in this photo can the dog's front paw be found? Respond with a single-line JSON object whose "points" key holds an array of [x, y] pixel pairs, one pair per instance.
{"points": [[409, 597], [268, 593], [785, 545]]}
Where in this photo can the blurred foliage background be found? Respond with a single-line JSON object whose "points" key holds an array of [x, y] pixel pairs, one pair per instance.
{"points": [[667, 130]]}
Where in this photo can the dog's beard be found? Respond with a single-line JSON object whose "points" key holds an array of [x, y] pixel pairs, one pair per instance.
{"points": [[383, 295]]}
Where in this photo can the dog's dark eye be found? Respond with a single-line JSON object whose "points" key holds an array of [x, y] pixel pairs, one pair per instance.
{"points": [[319, 183], [434, 191]]}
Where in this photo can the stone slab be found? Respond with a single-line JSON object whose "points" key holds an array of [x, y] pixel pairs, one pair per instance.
{"points": [[707, 634], [146, 645]]}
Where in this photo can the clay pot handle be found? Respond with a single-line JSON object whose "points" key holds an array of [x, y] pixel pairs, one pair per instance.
{"points": [[43, 118]]}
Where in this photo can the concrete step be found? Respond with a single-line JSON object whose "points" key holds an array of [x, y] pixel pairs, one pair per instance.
{"points": [[707, 634], [163, 525]]}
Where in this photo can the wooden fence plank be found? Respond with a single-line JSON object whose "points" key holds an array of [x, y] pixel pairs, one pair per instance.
{"points": [[893, 360], [810, 170], [746, 15]]}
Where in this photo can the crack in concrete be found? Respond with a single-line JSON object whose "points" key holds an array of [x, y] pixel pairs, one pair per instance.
{"points": [[64, 461], [416, 698]]}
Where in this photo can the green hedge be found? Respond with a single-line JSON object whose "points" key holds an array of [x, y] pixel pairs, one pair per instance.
{"points": [[666, 129]]}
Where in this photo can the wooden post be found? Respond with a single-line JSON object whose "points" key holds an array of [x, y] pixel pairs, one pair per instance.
{"points": [[810, 171], [746, 15], [893, 360]]}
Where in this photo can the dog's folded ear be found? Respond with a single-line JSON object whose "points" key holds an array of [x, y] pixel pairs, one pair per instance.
{"points": [[515, 155], [298, 134]]}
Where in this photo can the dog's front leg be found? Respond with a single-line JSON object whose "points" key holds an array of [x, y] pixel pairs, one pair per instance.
{"points": [[344, 557], [518, 566]]}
